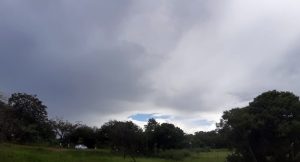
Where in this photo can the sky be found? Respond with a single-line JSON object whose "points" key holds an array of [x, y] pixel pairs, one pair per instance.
{"points": [[183, 62]]}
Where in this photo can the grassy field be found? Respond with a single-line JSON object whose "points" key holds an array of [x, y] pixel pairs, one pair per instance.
{"points": [[17, 153]]}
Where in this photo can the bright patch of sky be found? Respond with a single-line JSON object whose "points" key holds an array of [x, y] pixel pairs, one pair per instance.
{"points": [[194, 124], [146, 117]]}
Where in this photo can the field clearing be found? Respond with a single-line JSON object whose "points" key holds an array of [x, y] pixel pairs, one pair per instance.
{"points": [[17, 153]]}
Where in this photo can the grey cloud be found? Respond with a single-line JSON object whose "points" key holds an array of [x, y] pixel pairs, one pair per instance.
{"points": [[49, 50], [118, 58]]}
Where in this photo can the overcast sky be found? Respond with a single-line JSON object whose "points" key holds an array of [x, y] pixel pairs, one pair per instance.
{"points": [[183, 62]]}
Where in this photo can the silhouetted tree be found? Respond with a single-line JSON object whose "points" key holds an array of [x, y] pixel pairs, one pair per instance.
{"points": [[125, 137], [210, 139], [268, 130], [83, 135], [151, 137], [6, 122], [169, 137], [30, 118], [63, 130]]}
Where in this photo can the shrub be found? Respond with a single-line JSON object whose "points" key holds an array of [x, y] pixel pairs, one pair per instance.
{"points": [[204, 149], [175, 154], [235, 158]]}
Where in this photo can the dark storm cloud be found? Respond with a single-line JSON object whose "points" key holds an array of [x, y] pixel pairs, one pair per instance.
{"points": [[69, 54], [188, 60]]}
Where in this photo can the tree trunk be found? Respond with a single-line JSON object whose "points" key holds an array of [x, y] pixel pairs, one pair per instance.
{"points": [[133, 158], [252, 154]]}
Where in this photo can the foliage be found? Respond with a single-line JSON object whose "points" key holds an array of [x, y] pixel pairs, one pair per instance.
{"points": [[24, 119], [268, 130], [83, 135], [28, 108], [6, 123], [63, 130], [169, 136], [124, 137], [151, 135], [210, 139], [163, 136]]}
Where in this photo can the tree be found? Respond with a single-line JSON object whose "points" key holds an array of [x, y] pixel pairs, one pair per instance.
{"points": [[2, 104], [268, 130], [28, 108], [6, 123], [169, 137], [83, 135], [151, 137], [102, 135], [63, 129], [188, 141], [124, 137], [163, 136], [2, 100], [210, 139], [31, 120]]}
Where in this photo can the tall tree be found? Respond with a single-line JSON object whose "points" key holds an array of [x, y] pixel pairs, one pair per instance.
{"points": [[63, 130], [28, 108], [265, 131], [169, 137], [83, 135], [6, 122], [151, 137], [125, 137], [31, 120]]}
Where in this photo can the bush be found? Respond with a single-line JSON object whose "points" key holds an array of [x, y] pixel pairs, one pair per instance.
{"points": [[235, 158], [174, 154], [297, 157], [204, 149]]}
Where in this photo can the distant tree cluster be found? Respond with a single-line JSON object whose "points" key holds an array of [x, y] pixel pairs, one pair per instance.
{"points": [[210, 139], [267, 130], [24, 119]]}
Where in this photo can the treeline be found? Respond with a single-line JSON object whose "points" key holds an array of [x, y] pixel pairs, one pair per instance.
{"points": [[24, 119], [266, 130]]}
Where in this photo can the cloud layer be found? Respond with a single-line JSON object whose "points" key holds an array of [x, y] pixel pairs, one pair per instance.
{"points": [[98, 60]]}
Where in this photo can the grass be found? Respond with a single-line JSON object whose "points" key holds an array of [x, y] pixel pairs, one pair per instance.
{"points": [[213, 156], [18, 153]]}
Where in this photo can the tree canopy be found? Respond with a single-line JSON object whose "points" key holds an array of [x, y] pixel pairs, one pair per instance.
{"points": [[27, 119], [267, 130]]}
